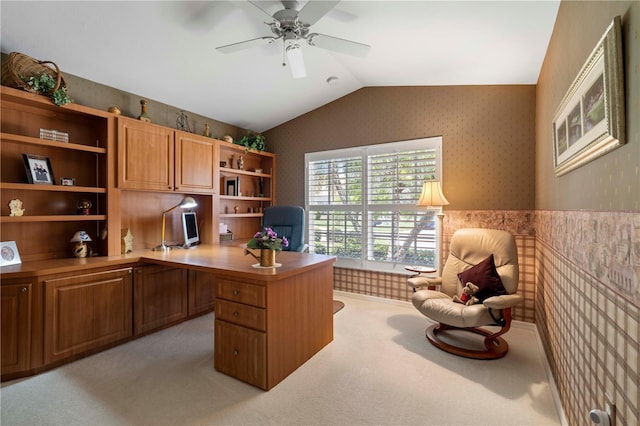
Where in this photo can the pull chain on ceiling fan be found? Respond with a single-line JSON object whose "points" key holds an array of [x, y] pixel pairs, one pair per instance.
{"points": [[291, 25]]}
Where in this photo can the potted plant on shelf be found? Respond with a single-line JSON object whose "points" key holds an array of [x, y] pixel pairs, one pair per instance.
{"points": [[252, 140]]}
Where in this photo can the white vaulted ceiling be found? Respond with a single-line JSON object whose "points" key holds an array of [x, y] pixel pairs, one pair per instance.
{"points": [[165, 50]]}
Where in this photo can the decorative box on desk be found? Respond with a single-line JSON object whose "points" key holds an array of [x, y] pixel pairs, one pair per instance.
{"points": [[228, 236]]}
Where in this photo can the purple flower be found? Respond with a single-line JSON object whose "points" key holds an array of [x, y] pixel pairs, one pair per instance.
{"points": [[285, 242]]}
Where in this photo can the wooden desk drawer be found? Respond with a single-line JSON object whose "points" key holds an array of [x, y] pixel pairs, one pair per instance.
{"points": [[240, 292], [245, 315], [241, 353]]}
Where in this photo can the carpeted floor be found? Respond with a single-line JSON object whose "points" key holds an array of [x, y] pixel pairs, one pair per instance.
{"points": [[379, 370]]}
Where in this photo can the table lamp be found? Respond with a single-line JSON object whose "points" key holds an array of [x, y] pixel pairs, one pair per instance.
{"points": [[432, 196], [186, 203]]}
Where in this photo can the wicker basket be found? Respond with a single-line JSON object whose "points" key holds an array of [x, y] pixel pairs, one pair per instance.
{"points": [[19, 65]]}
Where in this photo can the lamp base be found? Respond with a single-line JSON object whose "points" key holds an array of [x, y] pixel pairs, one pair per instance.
{"points": [[162, 247]]}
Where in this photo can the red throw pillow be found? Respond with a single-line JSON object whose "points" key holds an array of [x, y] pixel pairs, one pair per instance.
{"points": [[486, 277]]}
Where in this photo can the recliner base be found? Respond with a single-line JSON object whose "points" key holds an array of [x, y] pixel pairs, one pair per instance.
{"points": [[496, 347]]}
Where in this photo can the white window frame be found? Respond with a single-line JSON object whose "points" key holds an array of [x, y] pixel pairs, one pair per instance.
{"points": [[433, 143]]}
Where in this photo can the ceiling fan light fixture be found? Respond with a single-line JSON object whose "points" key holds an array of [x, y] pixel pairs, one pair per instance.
{"points": [[296, 61]]}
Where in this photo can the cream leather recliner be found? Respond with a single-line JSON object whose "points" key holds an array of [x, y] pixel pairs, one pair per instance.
{"points": [[472, 255]]}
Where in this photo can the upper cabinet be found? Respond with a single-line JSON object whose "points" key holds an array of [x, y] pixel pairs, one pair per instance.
{"points": [[195, 163], [157, 158], [145, 156], [73, 143]]}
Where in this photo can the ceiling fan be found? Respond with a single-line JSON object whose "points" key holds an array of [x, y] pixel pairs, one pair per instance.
{"points": [[292, 25]]}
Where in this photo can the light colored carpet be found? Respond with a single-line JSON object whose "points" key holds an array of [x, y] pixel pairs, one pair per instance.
{"points": [[378, 370]]}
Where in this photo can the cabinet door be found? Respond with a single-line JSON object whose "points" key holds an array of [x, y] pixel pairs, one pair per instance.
{"points": [[196, 158], [160, 297], [145, 156], [87, 311], [201, 292], [16, 327], [241, 353]]}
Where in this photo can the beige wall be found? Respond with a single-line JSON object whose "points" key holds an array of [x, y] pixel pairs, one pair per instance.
{"points": [[488, 138], [588, 231], [611, 182]]}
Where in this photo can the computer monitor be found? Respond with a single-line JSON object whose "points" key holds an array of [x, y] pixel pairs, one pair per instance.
{"points": [[190, 229]]}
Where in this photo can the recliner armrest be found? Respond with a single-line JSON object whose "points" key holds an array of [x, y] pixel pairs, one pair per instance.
{"points": [[420, 281], [503, 301]]}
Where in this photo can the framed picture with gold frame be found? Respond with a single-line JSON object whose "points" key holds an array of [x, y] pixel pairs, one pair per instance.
{"points": [[590, 119]]}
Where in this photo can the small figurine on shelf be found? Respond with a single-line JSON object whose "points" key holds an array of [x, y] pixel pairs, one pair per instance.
{"points": [[207, 130], [80, 248], [236, 209], [144, 116], [84, 207], [126, 241], [182, 122], [15, 206], [241, 163]]}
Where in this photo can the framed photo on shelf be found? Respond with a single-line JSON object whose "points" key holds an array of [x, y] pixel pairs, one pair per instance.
{"points": [[38, 169], [9, 253], [590, 119], [230, 187]]}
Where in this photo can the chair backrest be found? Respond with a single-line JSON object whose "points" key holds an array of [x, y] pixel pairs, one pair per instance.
{"points": [[287, 221], [470, 246]]}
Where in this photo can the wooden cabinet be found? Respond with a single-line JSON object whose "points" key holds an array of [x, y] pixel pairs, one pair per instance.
{"points": [[84, 312], [240, 347], [51, 208], [264, 330], [145, 156], [156, 158], [201, 292], [241, 209], [16, 326], [160, 297], [195, 163]]}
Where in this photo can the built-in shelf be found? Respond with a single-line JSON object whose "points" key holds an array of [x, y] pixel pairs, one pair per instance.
{"points": [[232, 197], [241, 215], [227, 171], [52, 218], [48, 188], [9, 137]]}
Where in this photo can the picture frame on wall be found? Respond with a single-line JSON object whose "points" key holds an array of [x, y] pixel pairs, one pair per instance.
{"points": [[9, 253], [38, 169], [589, 121]]}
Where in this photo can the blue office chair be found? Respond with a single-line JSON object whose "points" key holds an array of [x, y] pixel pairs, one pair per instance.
{"points": [[287, 221]]}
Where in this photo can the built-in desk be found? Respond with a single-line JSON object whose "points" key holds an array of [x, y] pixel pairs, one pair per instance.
{"points": [[268, 321]]}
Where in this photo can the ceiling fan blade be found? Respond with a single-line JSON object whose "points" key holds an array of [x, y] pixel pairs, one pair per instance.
{"points": [[235, 47], [314, 10], [338, 45], [253, 8]]}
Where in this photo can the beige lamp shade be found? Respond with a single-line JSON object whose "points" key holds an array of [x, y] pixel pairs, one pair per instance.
{"points": [[432, 195]]}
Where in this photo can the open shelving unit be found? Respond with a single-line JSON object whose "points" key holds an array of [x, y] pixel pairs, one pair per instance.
{"points": [[251, 203], [51, 218]]}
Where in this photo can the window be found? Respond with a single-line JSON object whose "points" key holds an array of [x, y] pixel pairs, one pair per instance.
{"points": [[361, 204]]}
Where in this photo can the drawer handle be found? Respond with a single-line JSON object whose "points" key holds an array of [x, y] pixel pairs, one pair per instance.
{"points": [[23, 290], [236, 313], [236, 292], [235, 352]]}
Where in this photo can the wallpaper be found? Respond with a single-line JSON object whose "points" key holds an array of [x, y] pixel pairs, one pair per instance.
{"points": [[488, 138]]}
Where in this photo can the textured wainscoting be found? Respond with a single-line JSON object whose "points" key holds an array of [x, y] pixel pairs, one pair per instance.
{"points": [[394, 285], [587, 266]]}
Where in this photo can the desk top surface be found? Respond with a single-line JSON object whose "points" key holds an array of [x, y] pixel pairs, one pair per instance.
{"points": [[224, 260]]}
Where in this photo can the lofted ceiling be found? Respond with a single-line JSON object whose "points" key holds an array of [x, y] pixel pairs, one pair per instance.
{"points": [[165, 50]]}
